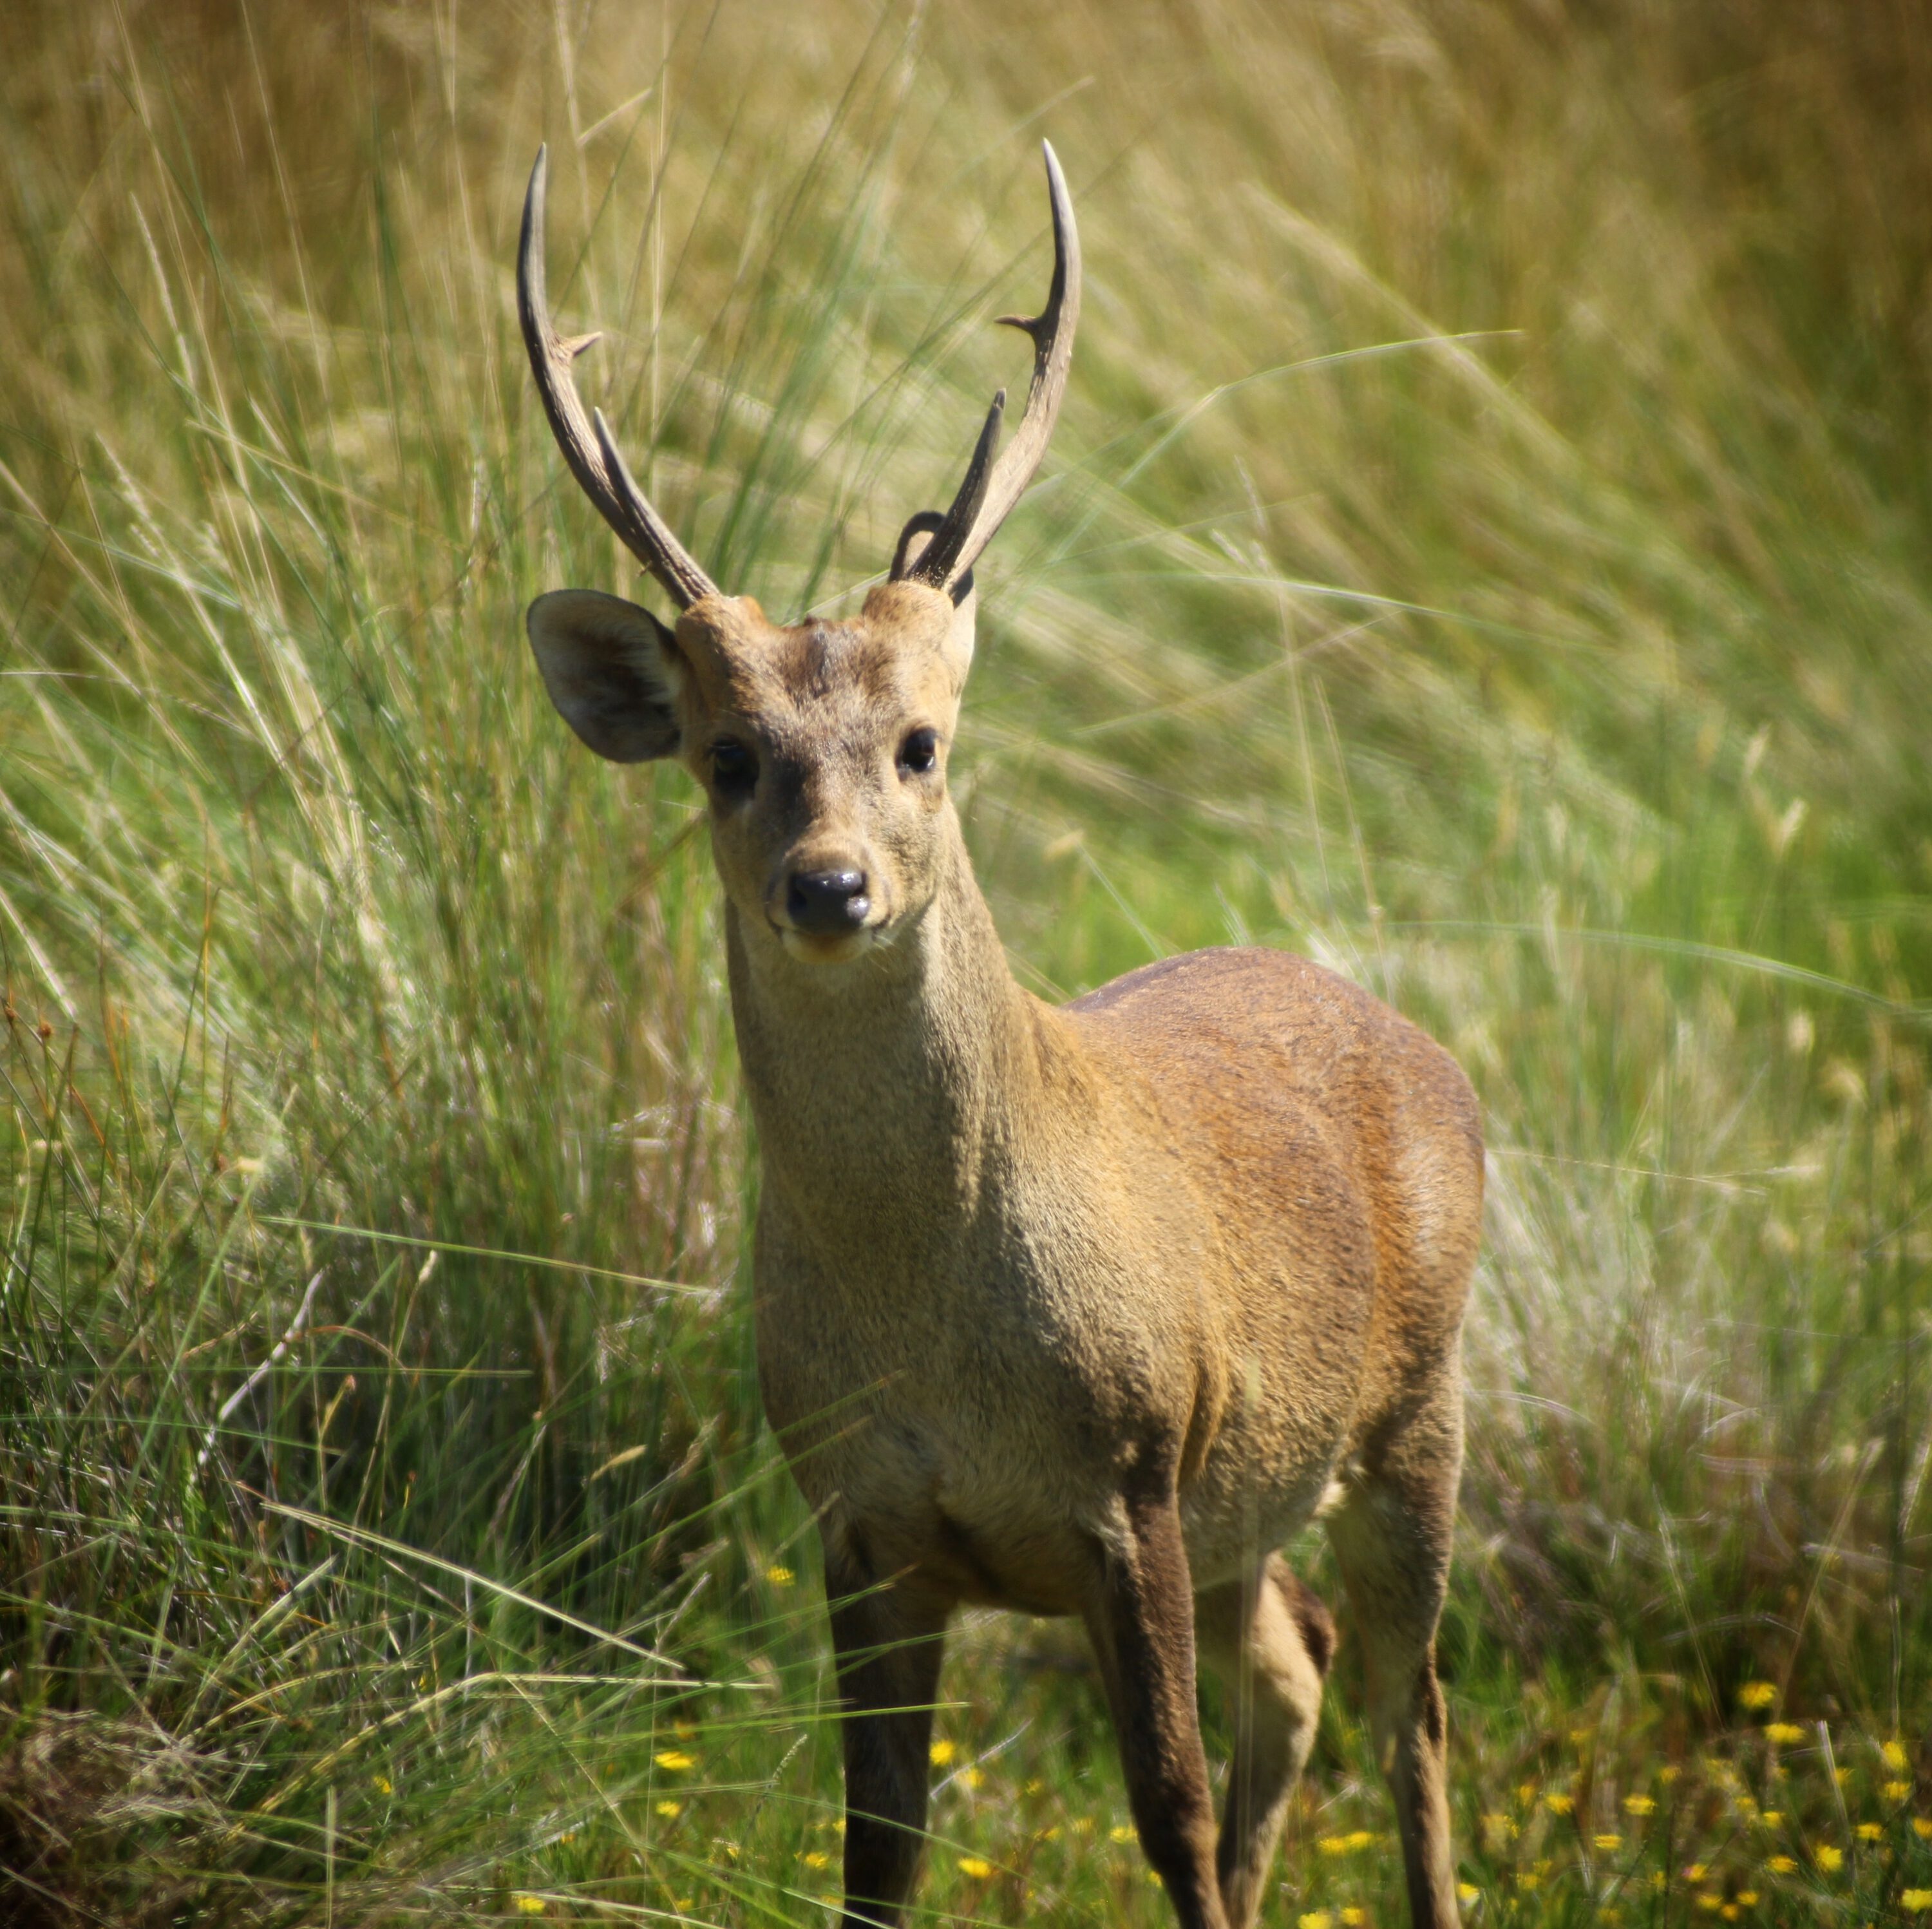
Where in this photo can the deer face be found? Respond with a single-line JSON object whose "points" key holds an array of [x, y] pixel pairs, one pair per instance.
{"points": [[821, 747]]}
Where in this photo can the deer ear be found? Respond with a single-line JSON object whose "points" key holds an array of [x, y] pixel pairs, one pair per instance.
{"points": [[958, 646], [959, 633], [612, 670]]}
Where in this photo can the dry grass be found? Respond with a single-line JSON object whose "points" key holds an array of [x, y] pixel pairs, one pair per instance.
{"points": [[1485, 548]]}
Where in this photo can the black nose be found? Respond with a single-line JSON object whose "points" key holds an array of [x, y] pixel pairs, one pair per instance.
{"points": [[827, 904]]}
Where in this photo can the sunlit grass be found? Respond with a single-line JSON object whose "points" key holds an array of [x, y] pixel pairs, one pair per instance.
{"points": [[1485, 549]]}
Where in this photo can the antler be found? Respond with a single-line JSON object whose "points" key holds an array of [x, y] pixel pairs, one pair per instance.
{"points": [[991, 488], [586, 441]]}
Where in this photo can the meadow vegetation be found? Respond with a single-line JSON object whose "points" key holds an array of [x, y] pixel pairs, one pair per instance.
{"points": [[1488, 547]]}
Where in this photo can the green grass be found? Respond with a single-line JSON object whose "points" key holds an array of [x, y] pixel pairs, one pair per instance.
{"points": [[1485, 548]]}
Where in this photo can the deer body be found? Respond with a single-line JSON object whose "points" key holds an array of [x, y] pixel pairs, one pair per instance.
{"points": [[1155, 1226], [1076, 1310]]}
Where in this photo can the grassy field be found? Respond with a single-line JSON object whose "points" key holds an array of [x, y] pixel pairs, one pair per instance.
{"points": [[1488, 547]]}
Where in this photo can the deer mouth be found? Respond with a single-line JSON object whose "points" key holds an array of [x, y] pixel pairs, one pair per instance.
{"points": [[843, 947]]}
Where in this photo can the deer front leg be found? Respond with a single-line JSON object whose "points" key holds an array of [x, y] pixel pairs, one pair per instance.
{"points": [[1142, 1626], [887, 1642]]}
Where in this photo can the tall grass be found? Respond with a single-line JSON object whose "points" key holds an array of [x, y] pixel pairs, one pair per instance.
{"points": [[1485, 548]]}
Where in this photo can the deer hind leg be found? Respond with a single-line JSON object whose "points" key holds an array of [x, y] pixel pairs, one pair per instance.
{"points": [[1391, 1537], [1270, 1639], [887, 1645]]}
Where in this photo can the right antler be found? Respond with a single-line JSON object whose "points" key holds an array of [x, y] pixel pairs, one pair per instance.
{"points": [[991, 489], [586, 441]]}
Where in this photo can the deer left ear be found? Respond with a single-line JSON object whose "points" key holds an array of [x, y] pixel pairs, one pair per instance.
{"points": [[612, 670], [959, 633], [913, 542]]}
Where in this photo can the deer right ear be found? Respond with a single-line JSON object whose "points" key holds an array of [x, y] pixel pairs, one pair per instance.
{"points": [[611, 669]]}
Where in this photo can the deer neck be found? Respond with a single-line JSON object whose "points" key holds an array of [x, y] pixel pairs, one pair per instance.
{"points": [[890, 1094]]}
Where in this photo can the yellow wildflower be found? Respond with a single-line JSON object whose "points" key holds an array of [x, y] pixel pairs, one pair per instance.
{"points": [[1869, 1831], [1049, 1834], [1709, 1899], [1639, 1804], [1660, 1879], [1730, 1911], [779, 1575], [1696, 1872], [1841, 1776], [1527, 1878], [1669, 1773], [1897, 1791], [977, 1867], [529, 1905], [1525, 1791], [382, 1784], [1893, 1755], [1755, 1695], [941, 1753], [675, 1760], [1786, 1734], [1781, 1865], [1748, 1896], [1354, 1919], [1922, 1828], [1465, 1893], [1918, 1901], [1774, 1818], [1035, 1786], [1558, 1804], [1829, 1859], [972, 1778], [816, 1858], [1123, 1833], [1315, 1918], [671, 1811], [1607, 1842], [1500, 1826]]}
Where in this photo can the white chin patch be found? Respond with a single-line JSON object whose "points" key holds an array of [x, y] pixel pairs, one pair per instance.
{"points": [[839, 950]]}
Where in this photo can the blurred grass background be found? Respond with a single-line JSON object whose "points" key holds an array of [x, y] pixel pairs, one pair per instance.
{"points": [[1486, 547]]}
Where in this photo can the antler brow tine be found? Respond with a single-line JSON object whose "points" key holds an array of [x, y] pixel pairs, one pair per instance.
{"points": [[985, 499], [588, 450]]}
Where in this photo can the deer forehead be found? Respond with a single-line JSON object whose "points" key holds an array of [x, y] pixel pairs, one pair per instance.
{"points": [[803, 679]]}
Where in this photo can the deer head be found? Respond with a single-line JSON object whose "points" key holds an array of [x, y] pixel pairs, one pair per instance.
{"points": [[821, 747]]}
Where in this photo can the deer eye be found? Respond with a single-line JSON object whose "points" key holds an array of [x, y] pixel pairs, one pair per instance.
{"points": [[918, 753], [734, 769]]}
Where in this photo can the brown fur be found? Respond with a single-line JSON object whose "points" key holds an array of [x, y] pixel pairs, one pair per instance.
{"points": [[1077, 1310]]}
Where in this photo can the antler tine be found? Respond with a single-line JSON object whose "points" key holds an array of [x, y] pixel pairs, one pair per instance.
{"points": [[984, 502], [591, 455]]}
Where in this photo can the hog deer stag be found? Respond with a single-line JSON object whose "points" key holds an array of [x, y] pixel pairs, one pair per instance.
{"points": [[1078, 1309]]}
